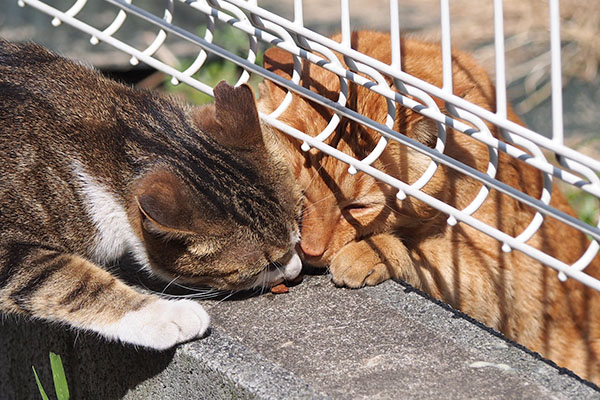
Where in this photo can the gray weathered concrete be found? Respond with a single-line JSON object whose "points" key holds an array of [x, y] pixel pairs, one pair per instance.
{"points": [[317, 341]]}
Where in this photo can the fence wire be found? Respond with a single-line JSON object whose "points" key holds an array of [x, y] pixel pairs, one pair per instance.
{"points": [[263, 28]]}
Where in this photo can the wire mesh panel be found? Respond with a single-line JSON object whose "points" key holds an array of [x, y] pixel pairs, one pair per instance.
{"points": [[256, 28]]}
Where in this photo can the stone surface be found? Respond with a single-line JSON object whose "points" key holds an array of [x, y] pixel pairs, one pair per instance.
{"points": [[317, 341]]}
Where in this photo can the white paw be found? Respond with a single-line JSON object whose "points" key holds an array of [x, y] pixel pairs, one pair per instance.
{"points": [[161, 324]]}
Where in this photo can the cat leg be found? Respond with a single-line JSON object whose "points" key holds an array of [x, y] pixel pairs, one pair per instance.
{"points": [[65, 288], [371, 261]]}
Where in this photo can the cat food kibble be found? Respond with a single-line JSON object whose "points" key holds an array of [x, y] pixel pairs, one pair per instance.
{"points": [[280, 289]]}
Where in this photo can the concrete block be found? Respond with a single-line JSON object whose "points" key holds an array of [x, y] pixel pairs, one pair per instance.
{"points": [[317, 341]]}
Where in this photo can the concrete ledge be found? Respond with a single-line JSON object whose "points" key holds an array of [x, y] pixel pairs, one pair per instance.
{"points": [[315, 342]]}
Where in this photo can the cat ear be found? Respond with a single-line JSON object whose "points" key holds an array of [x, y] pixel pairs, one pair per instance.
{"points": [[165, 203], [424, 130], [235, 113], [279, 61]]}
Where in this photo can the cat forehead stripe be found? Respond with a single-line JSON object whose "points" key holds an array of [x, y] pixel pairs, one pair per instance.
{"points": [[226, 182]]}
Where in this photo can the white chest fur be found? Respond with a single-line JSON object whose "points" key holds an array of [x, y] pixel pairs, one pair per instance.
{"points": [[114, 234]]}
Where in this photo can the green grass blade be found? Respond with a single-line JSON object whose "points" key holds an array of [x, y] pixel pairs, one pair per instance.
{"points": [[39, 384], [60, 380]]}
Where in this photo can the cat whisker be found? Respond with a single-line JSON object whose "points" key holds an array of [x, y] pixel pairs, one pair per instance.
{"points": [[278, 266], [231, 293], [264, 280], [77, 331], [204, 293], [191, 288], [315, 175], [331, 194], [314, 218], [320, 201], [169, 284], [207, 295], [308, 208], [387, 206]]}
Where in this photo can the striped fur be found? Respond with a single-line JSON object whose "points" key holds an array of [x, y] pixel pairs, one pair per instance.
{"points": [[93, 171], [359, 229]]}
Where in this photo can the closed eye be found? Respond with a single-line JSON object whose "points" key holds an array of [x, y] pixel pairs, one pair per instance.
{"points": [[356, 209], [357, 206]]}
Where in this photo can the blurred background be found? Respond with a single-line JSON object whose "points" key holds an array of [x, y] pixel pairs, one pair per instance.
{"points": [[526, 25]]}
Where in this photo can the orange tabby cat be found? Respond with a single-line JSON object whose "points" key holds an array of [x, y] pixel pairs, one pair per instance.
{"points": [[356, 226]]}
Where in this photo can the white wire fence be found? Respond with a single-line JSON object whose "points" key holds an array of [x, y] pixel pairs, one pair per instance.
{"points": [[263, 28]]}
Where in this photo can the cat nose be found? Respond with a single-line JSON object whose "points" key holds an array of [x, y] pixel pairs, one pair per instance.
{"points": [[311, 249]]}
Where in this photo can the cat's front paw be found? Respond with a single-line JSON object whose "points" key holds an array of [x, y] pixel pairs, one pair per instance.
{"points": [[163, 323], [359, 264]]}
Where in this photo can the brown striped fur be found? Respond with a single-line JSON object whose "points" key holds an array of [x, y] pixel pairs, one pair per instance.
{"points": [[355, 226], [93, 170]]}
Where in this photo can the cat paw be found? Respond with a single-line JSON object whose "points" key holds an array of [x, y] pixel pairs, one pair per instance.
{"points": [[357, 264], [162, 324]]}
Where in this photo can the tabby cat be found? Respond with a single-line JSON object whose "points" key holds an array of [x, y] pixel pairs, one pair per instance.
{"points": [[360, 230], [93, 171]]}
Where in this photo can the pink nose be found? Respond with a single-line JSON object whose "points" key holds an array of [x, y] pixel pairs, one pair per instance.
{"points": [[311, 250]]}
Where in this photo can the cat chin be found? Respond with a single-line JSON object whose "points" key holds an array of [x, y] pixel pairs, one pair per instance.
{"points": [[271, 276]]}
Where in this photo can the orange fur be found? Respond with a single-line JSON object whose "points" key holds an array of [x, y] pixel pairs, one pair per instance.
{"points": [[355, 225]]}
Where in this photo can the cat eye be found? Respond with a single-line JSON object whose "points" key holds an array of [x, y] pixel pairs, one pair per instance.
{"points": [[355, 207]]}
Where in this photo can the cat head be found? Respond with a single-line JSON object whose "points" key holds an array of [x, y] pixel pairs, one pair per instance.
{"points": [[231, 224], [340, 207]]}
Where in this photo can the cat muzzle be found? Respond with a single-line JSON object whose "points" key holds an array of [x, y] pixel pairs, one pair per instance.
{"points": [[278, 272]]}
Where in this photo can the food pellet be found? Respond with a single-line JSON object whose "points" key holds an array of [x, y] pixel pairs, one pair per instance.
{"points": [[280, 289]]}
